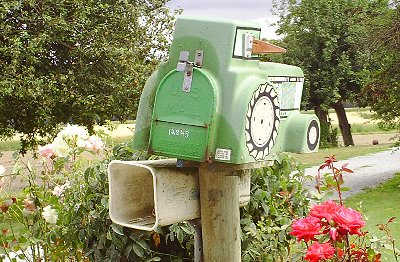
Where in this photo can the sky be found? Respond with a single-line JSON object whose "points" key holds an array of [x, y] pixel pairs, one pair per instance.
{"points": [[249, 10]]}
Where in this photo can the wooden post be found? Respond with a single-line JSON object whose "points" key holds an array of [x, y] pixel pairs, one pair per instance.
{"points": [[220, 217]]}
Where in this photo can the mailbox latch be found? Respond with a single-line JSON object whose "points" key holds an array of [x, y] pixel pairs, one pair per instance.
{"points": [[185, 66]]}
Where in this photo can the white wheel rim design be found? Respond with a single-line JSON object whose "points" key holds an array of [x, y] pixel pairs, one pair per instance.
{"points": [[312, 135], [262, 121]]}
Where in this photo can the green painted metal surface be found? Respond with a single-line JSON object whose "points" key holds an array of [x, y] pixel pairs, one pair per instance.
{"points": [[182, 121], [237, 109]]}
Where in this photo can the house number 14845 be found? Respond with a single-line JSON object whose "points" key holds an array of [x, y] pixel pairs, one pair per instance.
{"points": [[178, 132]]}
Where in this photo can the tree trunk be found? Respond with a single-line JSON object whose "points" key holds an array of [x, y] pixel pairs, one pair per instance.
{"points": [[328, 137], [344, 125], [322, 115]]}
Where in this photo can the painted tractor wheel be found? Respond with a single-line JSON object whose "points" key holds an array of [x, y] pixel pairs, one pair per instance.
{"points": [[262, 121], [313, 135]]}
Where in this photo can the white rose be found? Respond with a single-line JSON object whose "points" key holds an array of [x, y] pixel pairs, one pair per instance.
{"points": [[60, 147], [50, 215], [72, 131]]}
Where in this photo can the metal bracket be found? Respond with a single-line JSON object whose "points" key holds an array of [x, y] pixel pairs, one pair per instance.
{"points": [[187, 78], [184, 56], [185, 66], [198, 58], [247, 45]]}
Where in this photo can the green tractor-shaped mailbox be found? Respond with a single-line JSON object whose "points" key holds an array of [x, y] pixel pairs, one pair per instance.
{"points": [[213, 101]]}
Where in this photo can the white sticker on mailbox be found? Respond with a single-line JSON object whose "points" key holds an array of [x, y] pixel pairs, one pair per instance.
{"points": [[223, 154]]}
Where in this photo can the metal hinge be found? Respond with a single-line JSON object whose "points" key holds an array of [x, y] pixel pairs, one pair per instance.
{"points": [[185, 66]]}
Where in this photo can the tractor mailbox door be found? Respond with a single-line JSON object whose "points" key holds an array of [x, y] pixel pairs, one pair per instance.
{"points": [[182, 116]]}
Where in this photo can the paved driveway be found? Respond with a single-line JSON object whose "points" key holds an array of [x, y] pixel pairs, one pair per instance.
{"points": [[369, 171]]}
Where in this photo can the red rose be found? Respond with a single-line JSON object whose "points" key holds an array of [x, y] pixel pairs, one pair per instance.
{"points": [[326, 210], [318, 251], [349, 220], [306, 228]]}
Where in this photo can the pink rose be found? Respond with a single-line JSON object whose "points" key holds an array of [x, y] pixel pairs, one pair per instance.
{"points": [[333, 232], [318, 251], [326, 210], [59, 190], [47, 151], [306, 228], [6, 204], [349, 220], [94, 143], [29, 205]]}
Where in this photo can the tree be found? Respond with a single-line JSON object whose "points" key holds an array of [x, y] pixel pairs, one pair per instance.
{"points": [[323, 38], [382, 92], [81, 62]]}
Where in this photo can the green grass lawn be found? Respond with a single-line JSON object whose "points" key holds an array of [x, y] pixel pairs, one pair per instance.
{"points": [[368, 128], [341, 153], [378, 205], [10, 145]]}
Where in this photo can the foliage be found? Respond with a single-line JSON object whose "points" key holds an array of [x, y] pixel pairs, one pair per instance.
{"points": [[37, 223], [277, 197], [105, 241], [322, 38], [81, 62], [383, 89], [329, 135], [65, 213], [379, 204]]}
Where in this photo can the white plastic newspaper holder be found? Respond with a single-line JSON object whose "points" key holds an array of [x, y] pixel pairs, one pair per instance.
{"points": [[148, 194]]}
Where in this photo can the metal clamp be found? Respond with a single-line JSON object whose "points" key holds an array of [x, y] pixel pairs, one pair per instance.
{"points": [[185, 66], [187, 78]]}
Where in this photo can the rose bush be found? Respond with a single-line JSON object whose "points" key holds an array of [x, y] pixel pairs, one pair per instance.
{"points": [[62, 214], [35, 222], [331, 231], [333, 224]]}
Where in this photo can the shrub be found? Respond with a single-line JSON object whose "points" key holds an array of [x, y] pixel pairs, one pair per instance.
{"points": [[277, 197], [329, 135], [63, 213]]}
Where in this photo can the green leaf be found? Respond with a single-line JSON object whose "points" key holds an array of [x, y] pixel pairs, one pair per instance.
{"points": [[180, 236], [153, 259], [138, 250], [142, 243], [117, 229], [127, 251], [187, 230]]}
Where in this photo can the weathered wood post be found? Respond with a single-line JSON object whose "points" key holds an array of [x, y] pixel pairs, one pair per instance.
{"points": [[220, 218]]}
